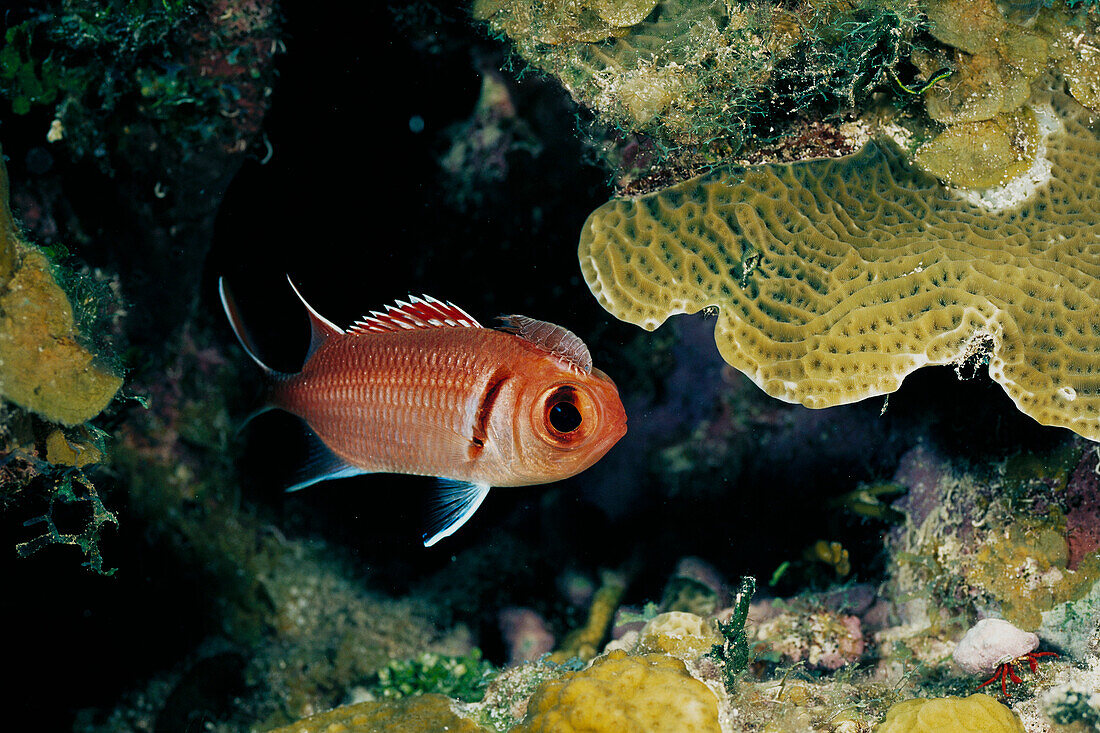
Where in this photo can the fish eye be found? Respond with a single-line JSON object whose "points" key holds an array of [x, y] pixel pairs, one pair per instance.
{"points": [[564, 417], [569, 414]]}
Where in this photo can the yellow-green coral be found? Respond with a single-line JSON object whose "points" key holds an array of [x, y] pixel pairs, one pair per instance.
{"points": [[994, 62], [679, 634], [1024, 568], [585, 641], [429, 712], [837, 278], [623, 694], [984, 153], [43, 366], [690, 72], [975, 714]]}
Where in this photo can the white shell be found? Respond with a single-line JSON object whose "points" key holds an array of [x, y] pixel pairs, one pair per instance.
{"points": [[990, 643]]}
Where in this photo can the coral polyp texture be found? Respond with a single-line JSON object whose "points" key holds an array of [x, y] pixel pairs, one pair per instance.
{"points": [[619, 692], [837, 278], [950, 715]]}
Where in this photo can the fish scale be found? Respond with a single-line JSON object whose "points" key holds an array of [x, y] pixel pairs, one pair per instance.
{"points": [[369, 397]]}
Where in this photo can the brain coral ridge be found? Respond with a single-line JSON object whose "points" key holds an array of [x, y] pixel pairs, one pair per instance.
{"points": [[837, 278]]}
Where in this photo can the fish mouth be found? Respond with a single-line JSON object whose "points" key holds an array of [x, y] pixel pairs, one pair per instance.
{"points": [[619, 431]]}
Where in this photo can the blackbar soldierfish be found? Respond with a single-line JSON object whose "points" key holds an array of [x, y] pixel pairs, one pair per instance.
{"points": [[423, 388]]}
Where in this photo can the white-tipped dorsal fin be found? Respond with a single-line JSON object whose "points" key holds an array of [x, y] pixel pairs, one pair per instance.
{"points": [[561, 342], [422, 312], [320, 328], [457, 502]]}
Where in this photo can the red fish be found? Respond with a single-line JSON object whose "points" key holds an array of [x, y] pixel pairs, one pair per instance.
{"points": [[422, 388]]}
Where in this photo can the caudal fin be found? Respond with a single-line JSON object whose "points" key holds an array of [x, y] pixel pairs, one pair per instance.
{"points": [[239, 329]]}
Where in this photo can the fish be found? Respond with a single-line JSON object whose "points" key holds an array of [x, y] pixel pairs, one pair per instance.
{"points": [[422, 388]]}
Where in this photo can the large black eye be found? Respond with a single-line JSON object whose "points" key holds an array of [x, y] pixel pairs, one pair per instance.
{"points": [[564, 417]]}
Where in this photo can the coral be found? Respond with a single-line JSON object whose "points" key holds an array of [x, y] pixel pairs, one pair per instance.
{"points": [[995, 61], [1072, 703], [984, 153], [821, 639], [44, 367], [1074, 626], [78, 452], [975, 714], [698, 74], [1025, 567], [482, 147], [505, 702], [990, 643], [1082, 500], [584, 642], [420, 713], [837, 278], [980, 543], [678, 634], [992, 61], [623, 694]]}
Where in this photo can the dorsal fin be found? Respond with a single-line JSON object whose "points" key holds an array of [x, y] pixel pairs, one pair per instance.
{"points": [[560, 342], [422, 312], [320, 328]]}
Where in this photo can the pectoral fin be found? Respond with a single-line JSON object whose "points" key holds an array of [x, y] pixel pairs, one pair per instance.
{"points": [[457, 502]]}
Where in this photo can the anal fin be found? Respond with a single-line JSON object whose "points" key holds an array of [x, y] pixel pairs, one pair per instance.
{"points": [[457, 502], [320, 465]]}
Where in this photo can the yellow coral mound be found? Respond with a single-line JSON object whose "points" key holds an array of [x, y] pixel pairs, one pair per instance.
{"points": [[43, 367], [837, 278], [421, 713], [623, 694], [974, 714]]}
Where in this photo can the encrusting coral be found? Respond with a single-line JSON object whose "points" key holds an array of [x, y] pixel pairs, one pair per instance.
{"points": [[422, 713], [837, 278], [704, 75], [975, 714], [993, 60], [620, 693], [44, 367]]}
